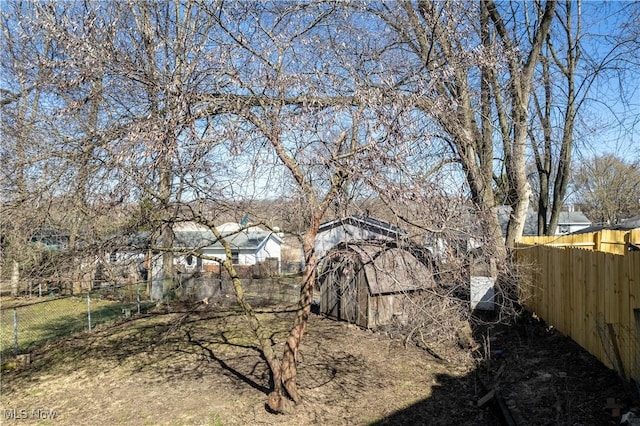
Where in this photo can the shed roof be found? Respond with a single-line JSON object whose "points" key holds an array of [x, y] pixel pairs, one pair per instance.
{"points": [[392, 269]]}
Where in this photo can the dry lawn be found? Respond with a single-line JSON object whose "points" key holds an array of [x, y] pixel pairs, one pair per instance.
{"points": [[201, 368]]}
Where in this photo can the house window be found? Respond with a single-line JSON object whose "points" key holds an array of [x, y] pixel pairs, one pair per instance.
{"points": [[189, 260], [113, 257], [235, 257]]}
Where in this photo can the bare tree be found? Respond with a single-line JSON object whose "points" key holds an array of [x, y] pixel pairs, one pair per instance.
{"points": [[572, 70], [321, 134], [471, 74], [130, 74], [608, 188], [24, 181], [182, 108], [158, 99]]}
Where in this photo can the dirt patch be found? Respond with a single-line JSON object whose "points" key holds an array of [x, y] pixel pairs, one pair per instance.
{"points": [[202, 368], [545, 378]]}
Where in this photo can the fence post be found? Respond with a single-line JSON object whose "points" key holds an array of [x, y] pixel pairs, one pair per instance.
{"points": [[15, 329], [89, 309]]}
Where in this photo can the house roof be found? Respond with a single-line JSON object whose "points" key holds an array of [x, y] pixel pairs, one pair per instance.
{"points": [[251, 238], [573, 218], [365, 222], [195, 236], [392, 269], [530, 222], [51, 238], [631, 223], [625, 225]]}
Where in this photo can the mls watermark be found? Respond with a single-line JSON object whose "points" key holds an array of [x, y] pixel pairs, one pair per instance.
{"points": [[29, 414]]}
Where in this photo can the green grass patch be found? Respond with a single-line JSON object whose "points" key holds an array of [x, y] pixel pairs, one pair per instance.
{"points": [[41, 322]]}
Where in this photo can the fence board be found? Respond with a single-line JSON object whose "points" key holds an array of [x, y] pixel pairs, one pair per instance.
{"points": [[592, 305], [625, 316], [601, 259], [579, 297], [589, 295]]}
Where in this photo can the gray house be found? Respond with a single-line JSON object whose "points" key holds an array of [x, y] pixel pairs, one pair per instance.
{"points": [[568, 222], [354, 228]]}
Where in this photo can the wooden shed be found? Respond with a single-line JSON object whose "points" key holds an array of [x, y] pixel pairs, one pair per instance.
{"points": [[369, 283]]}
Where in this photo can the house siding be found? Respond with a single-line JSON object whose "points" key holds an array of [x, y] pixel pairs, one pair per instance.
{"points": [[328, 239], [270, 250], [564, 229]]}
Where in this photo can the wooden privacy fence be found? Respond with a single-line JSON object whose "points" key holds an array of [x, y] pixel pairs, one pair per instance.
{"points": [[592, 296], [608, 241]]}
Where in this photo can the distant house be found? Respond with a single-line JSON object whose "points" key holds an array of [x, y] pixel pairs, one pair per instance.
{"points": [[51, 238], [370, 283], [571, 221], [568, 222], [354, 228], [624, 225], [249, 246]]}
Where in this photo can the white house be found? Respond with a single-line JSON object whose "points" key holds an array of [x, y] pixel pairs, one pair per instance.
{"points": [[571, 221], [249, 246]]}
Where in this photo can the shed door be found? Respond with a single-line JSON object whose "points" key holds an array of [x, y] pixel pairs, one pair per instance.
{"points": [[332, 297], [341, 294], [349, 300]]}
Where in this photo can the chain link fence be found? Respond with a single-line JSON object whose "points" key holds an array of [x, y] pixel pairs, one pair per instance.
{"points": [[33, 321], [29, 322]]}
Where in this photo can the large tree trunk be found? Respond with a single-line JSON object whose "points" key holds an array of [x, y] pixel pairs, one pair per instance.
{"points": [[564, 165], [285, 381], [168, 282], [520, 187], [479, 181], [543, 159], [561, 182], [521, 75], [168, 269]]}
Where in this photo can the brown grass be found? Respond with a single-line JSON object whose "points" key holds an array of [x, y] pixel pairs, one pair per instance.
{"points": [[202, 368]]}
